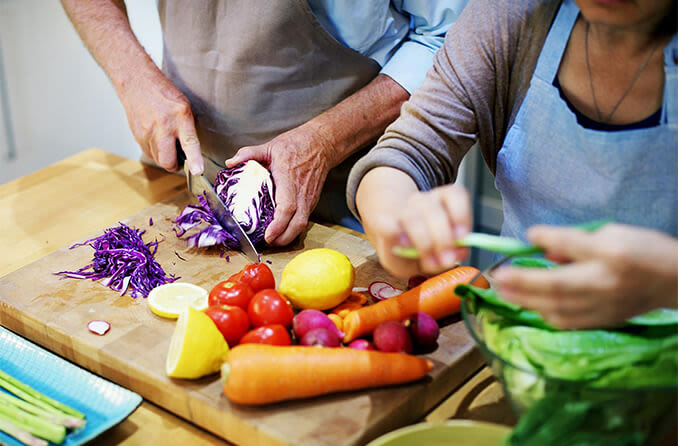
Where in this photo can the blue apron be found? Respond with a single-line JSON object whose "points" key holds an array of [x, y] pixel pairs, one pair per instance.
{"points": [[551, 170]]}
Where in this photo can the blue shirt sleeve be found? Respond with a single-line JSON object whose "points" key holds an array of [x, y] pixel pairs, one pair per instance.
{"points": [[400, 35]]}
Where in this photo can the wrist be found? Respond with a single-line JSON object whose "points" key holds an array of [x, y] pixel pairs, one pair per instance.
{"points": [[134, 72], [325, 141], [381, 191]]}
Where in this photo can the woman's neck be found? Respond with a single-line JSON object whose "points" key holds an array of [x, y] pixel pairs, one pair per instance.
{"points": [[631, 40]]}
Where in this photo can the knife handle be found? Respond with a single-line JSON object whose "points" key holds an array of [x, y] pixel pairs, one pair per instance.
{"points": [[181, 156]]}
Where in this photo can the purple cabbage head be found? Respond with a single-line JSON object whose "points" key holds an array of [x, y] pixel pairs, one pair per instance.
{"points": [[247, 191]]}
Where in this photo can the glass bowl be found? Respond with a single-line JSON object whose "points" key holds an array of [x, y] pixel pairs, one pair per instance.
{"points": [[560, 412]]}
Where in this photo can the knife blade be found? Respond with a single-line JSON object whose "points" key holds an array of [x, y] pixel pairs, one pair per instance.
{"points": [[199, 184]]}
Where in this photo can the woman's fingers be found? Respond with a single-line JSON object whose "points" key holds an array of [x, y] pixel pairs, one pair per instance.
{"points": [[389, 234], [431, 222], [566, 296]]}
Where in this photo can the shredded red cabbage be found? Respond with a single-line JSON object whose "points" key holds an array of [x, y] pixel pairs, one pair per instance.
{"points": [[213, 234], [123, 260], [247, 191]]}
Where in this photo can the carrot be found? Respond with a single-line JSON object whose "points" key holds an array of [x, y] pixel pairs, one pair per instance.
{"points": [[338, 320], [260, 374], [342, 310], [356, 297], [434, 296]]}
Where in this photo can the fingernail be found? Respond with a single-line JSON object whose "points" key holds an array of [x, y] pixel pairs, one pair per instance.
{"points": [[432, 260], [404, 240], [196, 167], [460, 231], [448, 257], [500, 274]]}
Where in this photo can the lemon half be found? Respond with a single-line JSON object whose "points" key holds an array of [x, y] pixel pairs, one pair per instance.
{"points": [[170, 299], [319, 279], [197, 348]]}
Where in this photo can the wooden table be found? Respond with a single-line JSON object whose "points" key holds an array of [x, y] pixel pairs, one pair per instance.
{"points": [[94, 189]]}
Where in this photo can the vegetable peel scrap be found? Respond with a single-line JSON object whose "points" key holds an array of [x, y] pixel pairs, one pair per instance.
{"points": [[124, 261]]}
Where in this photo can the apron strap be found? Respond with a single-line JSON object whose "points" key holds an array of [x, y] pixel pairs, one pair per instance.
{"points": [[556, 41], [670, 101]]}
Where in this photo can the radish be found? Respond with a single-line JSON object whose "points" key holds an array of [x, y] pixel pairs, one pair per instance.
{"points": [[99, 327], [307, 320], [382, 290], [361, 344], [321, 337], [415, 281], [392, 336], [423, 329]]}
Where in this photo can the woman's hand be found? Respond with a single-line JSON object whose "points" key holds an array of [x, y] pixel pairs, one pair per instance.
{"points": [[394, 213], [614, 273]]}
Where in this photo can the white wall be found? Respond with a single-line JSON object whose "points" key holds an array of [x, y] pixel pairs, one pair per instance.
{"points": [[60, 101]]}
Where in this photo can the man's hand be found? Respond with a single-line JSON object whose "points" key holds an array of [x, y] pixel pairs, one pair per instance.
{"points": [[299, 161], [159, 115], [615, 273]]}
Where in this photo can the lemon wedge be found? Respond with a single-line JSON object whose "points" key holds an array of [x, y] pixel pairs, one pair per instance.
{"points": [[197, 348], [170, 299], [318, 279]]}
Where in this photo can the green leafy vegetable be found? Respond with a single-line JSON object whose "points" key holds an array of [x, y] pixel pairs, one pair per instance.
{"points": [[583, 388]]}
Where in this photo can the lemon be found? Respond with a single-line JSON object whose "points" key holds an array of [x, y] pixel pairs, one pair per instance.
{"points": [[197, 347], [318, 279], [170, 299]]}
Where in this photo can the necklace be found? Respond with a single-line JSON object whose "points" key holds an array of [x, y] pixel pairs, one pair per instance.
{"points": [[602, 119]]}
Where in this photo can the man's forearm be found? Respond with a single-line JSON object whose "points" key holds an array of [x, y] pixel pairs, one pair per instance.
{"points": [[104, 27], [360, 118]]}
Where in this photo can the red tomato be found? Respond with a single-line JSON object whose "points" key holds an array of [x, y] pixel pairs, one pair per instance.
{"points": [[274, 334], [269, 307], [231, 293], [231, 321], [257, 275]]}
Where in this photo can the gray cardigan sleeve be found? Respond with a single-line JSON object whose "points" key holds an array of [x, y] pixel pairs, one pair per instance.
{"points": [[470, 94]]}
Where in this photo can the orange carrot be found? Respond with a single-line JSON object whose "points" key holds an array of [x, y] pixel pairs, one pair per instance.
{"points": [[261, 374], [435, 296], [338, 320], [356, 297]]}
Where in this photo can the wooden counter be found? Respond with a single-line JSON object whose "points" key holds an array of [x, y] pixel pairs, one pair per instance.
{"points": [[54, 207]]}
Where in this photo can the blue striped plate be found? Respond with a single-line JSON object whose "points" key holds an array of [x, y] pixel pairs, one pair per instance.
{"points": [[104, 403]]}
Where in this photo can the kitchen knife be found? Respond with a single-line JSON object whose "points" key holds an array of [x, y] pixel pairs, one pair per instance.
{"points": [[199, 184]]}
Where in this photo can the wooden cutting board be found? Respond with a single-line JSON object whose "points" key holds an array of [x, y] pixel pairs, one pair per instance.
{"points": [[54, 312]]}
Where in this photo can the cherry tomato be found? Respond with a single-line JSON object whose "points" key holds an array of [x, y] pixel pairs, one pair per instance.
{"points": [[231, 321], [257, 275], [274, 334], [231, 293], [269, 307]]}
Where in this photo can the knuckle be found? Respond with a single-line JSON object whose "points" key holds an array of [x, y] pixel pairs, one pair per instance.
{"points": [[287, 208], [298, 227], [183, 109], [556, 286], [190, 140]]}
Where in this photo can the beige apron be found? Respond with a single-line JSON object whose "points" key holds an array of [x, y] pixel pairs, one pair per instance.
{"points": [[253, 69]]}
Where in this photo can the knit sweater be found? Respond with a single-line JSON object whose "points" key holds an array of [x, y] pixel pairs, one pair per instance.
{"points": [[471, 94]]}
